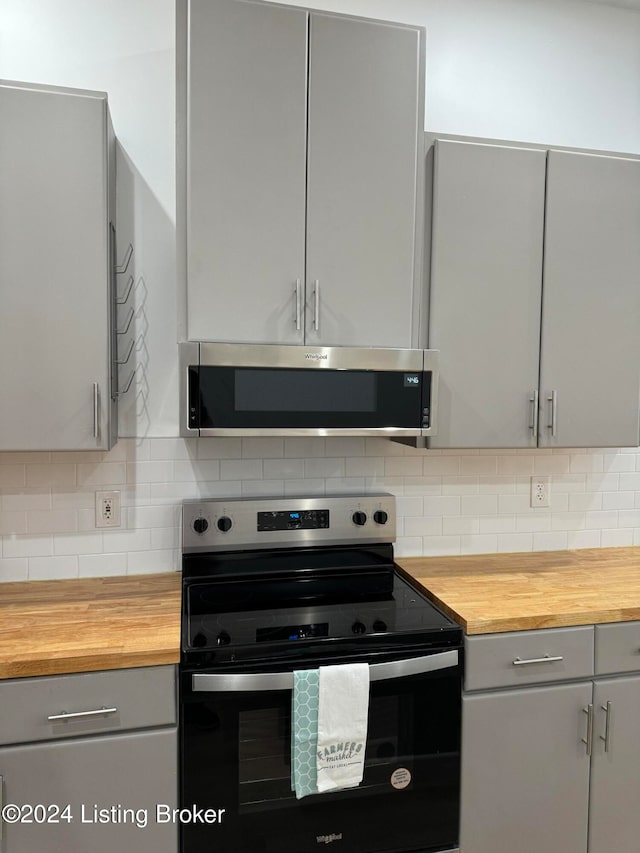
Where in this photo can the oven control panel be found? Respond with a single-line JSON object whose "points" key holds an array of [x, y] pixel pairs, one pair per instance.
{"points": [[227, 525]]}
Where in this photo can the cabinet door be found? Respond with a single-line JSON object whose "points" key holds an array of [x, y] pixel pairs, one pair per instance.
{"points": [[614, 818], [525, 771], [246, 153], [485, 293], [54, 270], [134, 771], [365, 131], [590, 354]]}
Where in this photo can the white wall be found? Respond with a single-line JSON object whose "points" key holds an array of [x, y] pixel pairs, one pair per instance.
{"points": [[556, 71]]}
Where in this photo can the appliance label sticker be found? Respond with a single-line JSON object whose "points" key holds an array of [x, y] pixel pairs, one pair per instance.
{"points": [[400, 778]]}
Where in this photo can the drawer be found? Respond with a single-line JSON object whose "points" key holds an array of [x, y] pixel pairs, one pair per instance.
{"points": [[528, 657], [141, 698], [618, 647]]}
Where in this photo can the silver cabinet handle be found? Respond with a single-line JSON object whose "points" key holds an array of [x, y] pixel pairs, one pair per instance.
{"points": [[316, 305], [298, 311], [533, 426], [588, 740], [553, 399], [545, 659], [264, 681], [607, 726], [65, 715], [96, 410]]}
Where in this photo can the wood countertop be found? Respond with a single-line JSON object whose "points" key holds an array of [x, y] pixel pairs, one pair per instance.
{"points": [[489, 593], [64, 626], [52, 627]]}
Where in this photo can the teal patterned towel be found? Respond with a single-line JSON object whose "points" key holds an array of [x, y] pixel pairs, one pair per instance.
{"points": [[304, 732]]}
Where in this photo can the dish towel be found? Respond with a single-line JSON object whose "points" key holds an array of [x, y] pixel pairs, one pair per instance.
{"points": [[343, 709], [304, 732]]}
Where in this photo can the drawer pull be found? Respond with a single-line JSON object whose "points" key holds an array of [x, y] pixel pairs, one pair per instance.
{"points": [[545, 659], [78, 714]]}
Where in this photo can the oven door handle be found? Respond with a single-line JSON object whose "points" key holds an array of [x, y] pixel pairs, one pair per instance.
{"points": [[253, 682]]}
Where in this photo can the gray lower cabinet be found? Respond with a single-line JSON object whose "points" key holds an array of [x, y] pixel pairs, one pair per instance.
{"points": [[56, 202], [88, 759], [551, 767], [112, 785], [302, 162], [525, 771], [534, 267]]}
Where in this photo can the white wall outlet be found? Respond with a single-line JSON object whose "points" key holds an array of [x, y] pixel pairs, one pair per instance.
{"points": [[540, 491], [108, 509]]}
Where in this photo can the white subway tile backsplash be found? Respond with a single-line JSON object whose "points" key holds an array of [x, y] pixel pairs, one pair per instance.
{"points": [[577, 539], [79, 543], [422, 526], [616, 538], [102, 565], [49, 568], [262, 448], [241, 469], [27, 546], [12, 522], [24, 499], [101, 474], [14, 570], [508, 542], [315, 468], [52, 521], [480, 465], [479, 505], [448, 501], [13, 476], [51, 474]]}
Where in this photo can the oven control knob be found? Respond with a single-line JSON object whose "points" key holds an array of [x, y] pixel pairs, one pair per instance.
{"points": [[200, 525], [223, 639], [359, 518], [358, 628], [224, 524], [379, 626], [380, 516]]}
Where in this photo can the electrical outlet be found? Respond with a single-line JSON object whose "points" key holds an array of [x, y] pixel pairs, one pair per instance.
{"points": [[540, 491], [108, 509]]}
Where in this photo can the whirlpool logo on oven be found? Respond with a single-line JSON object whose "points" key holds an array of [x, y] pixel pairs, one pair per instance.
{"points": [[327, 839]]}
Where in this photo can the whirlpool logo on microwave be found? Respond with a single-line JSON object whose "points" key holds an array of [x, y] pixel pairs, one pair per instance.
{"points": [[316, 356]]}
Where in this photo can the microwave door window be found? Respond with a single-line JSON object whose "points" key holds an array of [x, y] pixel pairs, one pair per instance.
{"points": [[306, 398]]}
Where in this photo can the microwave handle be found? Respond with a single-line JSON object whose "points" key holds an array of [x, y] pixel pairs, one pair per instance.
{"points": [[244, 682]]}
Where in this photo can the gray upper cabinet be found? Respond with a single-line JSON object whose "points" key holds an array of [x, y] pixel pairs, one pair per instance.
{"points": [[365, 124], [303, 158], [535, 263], [56, 197], [486, 290], [590, 353], [247, 67]]}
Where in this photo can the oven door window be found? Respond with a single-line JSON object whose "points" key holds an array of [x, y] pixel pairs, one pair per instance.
{"points": [[228, 397], [237, 756]]}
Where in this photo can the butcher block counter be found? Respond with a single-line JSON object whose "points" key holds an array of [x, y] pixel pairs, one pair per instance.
{"points": [[490, 593], [66, 626], [63, 626]]}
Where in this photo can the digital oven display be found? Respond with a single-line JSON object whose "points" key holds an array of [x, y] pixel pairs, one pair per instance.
{"points": [[303, 519]]}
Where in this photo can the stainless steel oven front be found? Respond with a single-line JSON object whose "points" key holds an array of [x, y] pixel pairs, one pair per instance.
{"points": [[236, 735], [272, 586]]}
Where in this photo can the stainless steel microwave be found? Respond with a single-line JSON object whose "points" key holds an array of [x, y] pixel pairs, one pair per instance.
{"points": [[266, 390]]}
